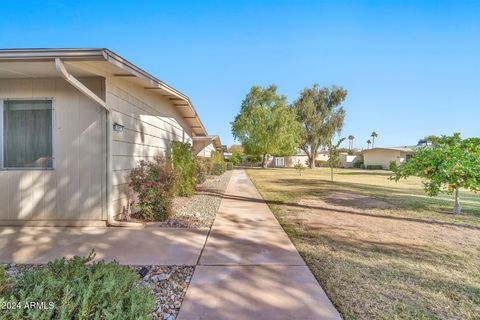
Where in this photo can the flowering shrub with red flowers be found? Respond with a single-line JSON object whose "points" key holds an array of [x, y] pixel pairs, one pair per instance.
{"points": [[154, 182]]}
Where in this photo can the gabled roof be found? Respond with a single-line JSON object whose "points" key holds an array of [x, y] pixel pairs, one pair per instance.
{"points": [[18, 63]]}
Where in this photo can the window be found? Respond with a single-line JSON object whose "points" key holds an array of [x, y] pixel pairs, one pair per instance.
{"points": [[27, 134]]}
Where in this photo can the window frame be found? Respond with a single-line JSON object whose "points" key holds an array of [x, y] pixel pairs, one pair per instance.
{"points": [[2, 167]]}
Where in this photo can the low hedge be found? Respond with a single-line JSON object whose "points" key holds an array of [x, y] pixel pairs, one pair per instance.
{"points": [[229, 166], [79, 288], [321, 163], [358, 164], [374, 167], [218, 168]]}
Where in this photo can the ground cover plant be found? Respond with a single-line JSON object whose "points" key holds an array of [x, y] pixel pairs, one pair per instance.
{"points": [[380, 249], [79, 288]]}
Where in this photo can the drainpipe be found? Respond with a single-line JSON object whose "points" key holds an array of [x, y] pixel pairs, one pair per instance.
{"points": [[62, 71]]}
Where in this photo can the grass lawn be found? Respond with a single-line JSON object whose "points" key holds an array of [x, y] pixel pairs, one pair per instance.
{"points": [[380, 249]]}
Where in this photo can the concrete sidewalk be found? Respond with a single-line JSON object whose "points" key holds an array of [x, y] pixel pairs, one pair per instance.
{"points": [[147, 246], [249, 269]]}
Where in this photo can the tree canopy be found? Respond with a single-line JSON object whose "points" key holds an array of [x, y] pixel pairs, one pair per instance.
{"points": [[321, 116], [449, 164], [265, 124]]}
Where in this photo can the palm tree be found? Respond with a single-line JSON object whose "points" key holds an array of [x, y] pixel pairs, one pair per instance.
{"points": [[369, 143], [373, 135], [350, 142]]}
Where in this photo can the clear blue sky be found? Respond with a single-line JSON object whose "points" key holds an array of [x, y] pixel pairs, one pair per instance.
{"points": [[412, 68]]}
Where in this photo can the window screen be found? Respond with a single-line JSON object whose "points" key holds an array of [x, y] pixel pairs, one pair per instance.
{"points": [[27, 134]]}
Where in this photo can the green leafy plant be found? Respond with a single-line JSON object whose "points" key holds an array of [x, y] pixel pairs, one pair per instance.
{"points": [[183, 162], [218, 168], [374, 167], [299, 167], [229, 165], [154, 182], [202, 170], [393, 165], [3, 279], [235, 159], [358, 164], [79, 288], [449, 164]]}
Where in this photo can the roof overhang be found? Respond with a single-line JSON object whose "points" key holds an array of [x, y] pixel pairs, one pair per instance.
{"points": [[38, 63], [213, 139]]}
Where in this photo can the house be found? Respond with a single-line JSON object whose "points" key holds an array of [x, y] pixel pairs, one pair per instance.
{"points": [[73, 123], [290, 161], [204, 145], [383, 156]]}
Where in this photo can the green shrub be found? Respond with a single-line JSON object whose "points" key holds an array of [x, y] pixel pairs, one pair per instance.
{"points": [[202, 170], [229, 165], [375, 167], [358, 164], [218, 168], [393, 166], [183, 162], [299, 167], [3, 279], [154, 182], [80, 289], [235, 159], [321, 163]]}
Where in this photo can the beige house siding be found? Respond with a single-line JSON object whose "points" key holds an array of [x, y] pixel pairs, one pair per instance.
{"points": [[383, 157], [76, 189], [150, 123], [206, 151]]}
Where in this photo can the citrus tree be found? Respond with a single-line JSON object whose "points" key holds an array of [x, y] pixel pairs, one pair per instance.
{"points": [[449, 164]]}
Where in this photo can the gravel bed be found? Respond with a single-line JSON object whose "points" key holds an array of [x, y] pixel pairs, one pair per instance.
{"points": [[168, 284], [199, 210]]}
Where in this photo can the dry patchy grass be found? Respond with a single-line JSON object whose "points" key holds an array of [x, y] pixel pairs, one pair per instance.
{"points": [[380, 249]]}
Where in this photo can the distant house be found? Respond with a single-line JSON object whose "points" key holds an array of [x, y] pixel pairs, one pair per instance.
{"points": [[290, 161], [204, 145], [383, 156], [73, 124]]}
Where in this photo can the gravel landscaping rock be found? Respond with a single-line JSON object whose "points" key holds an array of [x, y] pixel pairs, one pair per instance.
{"points": [[168, 284], [199, 210]]}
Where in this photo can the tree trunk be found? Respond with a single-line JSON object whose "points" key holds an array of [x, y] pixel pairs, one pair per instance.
{"points": [[264, 161], [311, 161], [457, 209]]}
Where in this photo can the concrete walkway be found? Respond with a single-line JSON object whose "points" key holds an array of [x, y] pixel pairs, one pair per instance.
{"points": [[249, 269], [148, 246]]}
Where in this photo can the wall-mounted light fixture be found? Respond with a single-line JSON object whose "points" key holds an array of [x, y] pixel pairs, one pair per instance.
{"points": [[118, 127]]}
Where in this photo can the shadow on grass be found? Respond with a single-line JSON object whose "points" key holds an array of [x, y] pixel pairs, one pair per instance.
{"points": [[337, 210]]}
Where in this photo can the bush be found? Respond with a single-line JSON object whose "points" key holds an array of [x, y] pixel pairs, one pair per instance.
{"points": [[358, 164], [202, 170], [375, 167], [80, 290], [3, 279], [299, 167], [321, 163], [229, 165], [235, 159], [218, 168], [154, 182], [183, 162], [393, 166]]}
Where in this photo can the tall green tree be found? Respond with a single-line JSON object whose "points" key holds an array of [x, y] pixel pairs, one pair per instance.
{"points": [[373, 135], [369, 142], [447, 165], [266, 125], [321, 116], [350, 142]]}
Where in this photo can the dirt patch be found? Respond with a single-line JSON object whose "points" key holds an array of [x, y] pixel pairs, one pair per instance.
{"points": [[358, 218], [351, 200]]}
